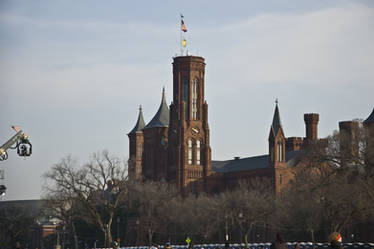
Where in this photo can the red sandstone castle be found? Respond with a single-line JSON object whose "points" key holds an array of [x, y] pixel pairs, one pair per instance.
{"points": [[174, 146]]}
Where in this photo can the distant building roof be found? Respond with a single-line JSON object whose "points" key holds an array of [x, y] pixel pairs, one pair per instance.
{"points": [[251, 163], [370, 119], [33, 207], [140, 123], [161, 119]]}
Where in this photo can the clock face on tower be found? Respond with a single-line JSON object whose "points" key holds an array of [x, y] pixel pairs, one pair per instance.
{"points": [[195, 130]]}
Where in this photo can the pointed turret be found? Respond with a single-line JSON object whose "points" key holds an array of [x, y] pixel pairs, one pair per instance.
{"points": [[136, 140], [161, 119], [140, 123], [276, 125], [276, 139], [370, 119]]}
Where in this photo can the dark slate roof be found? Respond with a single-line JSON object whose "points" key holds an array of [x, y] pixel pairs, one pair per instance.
{"points": [[248, 163], [251, 163], [161, 119], [140, 123], [370, 119], [276, 125]]}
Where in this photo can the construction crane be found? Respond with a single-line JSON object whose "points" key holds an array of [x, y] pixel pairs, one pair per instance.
{"points": [[19, 141]]}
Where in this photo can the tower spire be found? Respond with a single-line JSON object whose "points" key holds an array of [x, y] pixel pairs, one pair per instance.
{"points": [[161, 119], [140, 123], [276, 125], [370, 119]]}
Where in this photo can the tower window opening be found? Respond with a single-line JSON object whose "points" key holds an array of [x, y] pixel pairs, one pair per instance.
{"points": [[185, 96], [280, 151], [194, 98], [189, 151], [198, 152]]}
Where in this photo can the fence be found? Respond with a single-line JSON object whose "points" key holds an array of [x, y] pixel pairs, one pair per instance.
{"points": [[290, 245]]}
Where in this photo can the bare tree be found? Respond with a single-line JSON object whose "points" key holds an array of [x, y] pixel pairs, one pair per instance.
{"points": [[333, 184], [97, 187], [251, 203], [151, 200]]}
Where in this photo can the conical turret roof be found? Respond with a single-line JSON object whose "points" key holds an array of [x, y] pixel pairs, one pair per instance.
{"points": [[161, 119], [370, 119], [140, 123], [276, 125]]}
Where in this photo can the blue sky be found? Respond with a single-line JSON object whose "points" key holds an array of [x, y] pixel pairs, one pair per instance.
{"points": [[73, 73]]}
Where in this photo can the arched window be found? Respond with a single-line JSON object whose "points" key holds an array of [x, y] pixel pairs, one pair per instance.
{"points": [[185, 97], [280, 151], [189, 151], [194, 98], [198, 152]]}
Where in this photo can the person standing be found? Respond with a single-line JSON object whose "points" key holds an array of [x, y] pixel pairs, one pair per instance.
{"points": [[335, 241]]}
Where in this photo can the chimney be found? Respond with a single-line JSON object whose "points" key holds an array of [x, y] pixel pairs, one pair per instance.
{"points": [[311, 126]]}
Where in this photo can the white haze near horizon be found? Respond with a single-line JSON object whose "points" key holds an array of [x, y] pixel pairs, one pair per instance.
{"points": [[74, 81]]}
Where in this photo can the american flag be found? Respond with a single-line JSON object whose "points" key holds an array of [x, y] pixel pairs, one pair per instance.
{"points": [[16, 128], [183, 27]]}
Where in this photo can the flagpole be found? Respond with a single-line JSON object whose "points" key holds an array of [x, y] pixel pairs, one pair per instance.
{"points": [[180, 30]]}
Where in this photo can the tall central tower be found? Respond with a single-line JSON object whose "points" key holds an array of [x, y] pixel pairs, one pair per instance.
{"points": [[189, 153]]}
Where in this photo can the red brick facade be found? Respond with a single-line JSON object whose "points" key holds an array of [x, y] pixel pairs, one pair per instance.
{"points": [[177, 149]]}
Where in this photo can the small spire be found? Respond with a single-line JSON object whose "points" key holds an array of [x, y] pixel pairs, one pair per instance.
{"points": [[140, 123], [161, 118], [370, 119], [276, 125]]}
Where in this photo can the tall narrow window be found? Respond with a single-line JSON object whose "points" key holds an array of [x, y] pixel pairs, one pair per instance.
{"points": [[198, 152], [280, 151], [189, 151], [185, 96], [194, 98]]}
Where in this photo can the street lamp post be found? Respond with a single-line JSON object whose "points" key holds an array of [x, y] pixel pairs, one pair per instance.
{"points": [[240, 216], [227, 229], [137, 231], [118, 240]]}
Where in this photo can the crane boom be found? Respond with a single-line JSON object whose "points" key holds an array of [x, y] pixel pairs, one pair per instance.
{"points": [[21, 142]]}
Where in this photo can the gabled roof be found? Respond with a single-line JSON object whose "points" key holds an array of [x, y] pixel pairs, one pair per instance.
{"points": [[140, 123], [251, 163], [370, 119], [161, 119]]}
